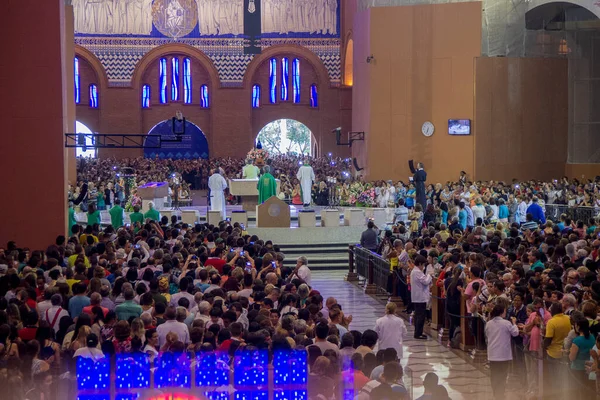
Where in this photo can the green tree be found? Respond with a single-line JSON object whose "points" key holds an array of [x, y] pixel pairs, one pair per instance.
{"points": [[298, 134], [270, 138]]}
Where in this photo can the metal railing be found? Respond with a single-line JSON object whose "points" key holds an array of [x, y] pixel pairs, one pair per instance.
{"points": [[370, 266], [554, 211]]}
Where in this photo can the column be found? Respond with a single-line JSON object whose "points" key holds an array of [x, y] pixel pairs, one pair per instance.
{"points": [[32, 111]]}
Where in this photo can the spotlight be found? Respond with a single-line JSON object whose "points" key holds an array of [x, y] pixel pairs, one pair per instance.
{"points": [[115, 168], [329, 154]]}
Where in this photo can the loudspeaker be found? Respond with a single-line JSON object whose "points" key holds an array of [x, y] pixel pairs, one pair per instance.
{"points": [[356, 165]]}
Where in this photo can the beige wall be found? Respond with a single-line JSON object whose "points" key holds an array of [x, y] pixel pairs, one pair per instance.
{"points": [[423, 70], [520, 118]]}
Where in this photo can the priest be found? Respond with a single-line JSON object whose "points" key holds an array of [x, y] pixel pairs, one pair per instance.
{"points": [[306, 176], [217, 185], [267, 186]]}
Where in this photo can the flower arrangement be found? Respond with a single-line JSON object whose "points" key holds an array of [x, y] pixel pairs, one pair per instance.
{"points": [[367, 197], [256, 154]]}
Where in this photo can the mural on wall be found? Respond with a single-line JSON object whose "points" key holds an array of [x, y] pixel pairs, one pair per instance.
{"points": [[193, 144], [230, 32]]}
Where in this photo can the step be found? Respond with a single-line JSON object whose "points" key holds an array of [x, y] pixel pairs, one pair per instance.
{"points": [[314, 251], [323, 246]]}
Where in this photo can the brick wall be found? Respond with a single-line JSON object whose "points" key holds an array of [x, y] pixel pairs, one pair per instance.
{"points": [[230, 124]]}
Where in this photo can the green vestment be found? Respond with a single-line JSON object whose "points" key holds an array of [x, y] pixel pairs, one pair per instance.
{"points": [[267, 187]]}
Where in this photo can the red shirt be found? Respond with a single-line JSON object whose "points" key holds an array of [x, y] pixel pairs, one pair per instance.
{"points": [[216, 262], [27, 334], [88, 310]]}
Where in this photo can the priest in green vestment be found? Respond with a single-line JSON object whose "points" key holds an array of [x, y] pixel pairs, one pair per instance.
{"points": [[267, 186]]}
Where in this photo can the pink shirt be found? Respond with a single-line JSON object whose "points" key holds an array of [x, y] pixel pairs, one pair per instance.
{"points": [[470, 293], [535, 334]]}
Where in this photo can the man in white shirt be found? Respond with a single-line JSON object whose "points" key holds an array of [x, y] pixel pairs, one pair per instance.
{"points": [[302, 270], [499, 333], [55, 313], [390, 330], [521, 210], [420, 294], [171, 325]]}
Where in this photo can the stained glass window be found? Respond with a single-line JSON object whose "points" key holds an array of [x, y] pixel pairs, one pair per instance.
{"points": [[255, 96], [163, 80], [175, 79], [204, 99], [285, 72], [93, 96], [273, 81], [146, 92], [314, 96], [296, 78], [77, 82], [187, 81]]}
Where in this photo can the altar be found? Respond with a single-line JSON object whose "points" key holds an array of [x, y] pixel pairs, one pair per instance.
{"points": [[155, 192], [248, 191]]}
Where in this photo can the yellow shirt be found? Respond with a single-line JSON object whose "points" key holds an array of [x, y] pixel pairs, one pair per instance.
{"points": [[393, 263], [557, 328], [71, 261]]}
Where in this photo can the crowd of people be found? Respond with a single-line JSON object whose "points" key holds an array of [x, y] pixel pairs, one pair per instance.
{"points": [[174, 288], [530, 286], [336, 183]]}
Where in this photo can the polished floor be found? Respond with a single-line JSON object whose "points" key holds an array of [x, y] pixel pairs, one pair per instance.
{"points": [[463, 379]]}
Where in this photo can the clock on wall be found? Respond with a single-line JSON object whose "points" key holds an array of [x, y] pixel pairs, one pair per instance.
{"points": [[427, 128]]}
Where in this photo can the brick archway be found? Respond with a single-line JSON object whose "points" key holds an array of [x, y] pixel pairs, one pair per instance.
{"points": [[288, 49], [94, 63], [175, 48], [314, 143]]}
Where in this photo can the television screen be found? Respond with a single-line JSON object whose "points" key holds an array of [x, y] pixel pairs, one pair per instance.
{"points": [[459, 126]]}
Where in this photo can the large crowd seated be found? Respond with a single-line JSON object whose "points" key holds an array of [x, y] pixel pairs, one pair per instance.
{"points": [[160, 287]]}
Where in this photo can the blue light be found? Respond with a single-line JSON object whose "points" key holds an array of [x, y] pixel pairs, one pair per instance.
{"points": [[162, 79], [284, 78], [132, 371], [273, 80], [146, 93], [256, 96], [93, 96], [212, 369], [187, 81], [296, 78], [251, 368], [93, 375], [204, 99], [314, 96], [77, 81], [172, 370], [175, 79]]}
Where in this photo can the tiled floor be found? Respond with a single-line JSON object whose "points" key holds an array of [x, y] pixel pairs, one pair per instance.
{"points": [[462, 379]]}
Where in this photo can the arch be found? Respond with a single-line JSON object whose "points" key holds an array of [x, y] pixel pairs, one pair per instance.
{"points": [[95, 63], [92, 152], [587, 4], [312, 145], [193, 145], [287, 49], [175, 48], [349, 63]]}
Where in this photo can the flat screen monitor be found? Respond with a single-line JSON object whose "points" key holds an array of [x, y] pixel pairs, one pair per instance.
{"points": [[459, 126]]}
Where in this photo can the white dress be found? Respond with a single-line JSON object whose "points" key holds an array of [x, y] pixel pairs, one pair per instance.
{"points": [[306, 176], [217, 184]]}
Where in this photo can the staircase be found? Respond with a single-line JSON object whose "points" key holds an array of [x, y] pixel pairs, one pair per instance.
{"points": [[321, 257]]}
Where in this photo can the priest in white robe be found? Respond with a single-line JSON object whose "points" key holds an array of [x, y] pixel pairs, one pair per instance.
{"points": [[306, 176], [217, 185]]}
